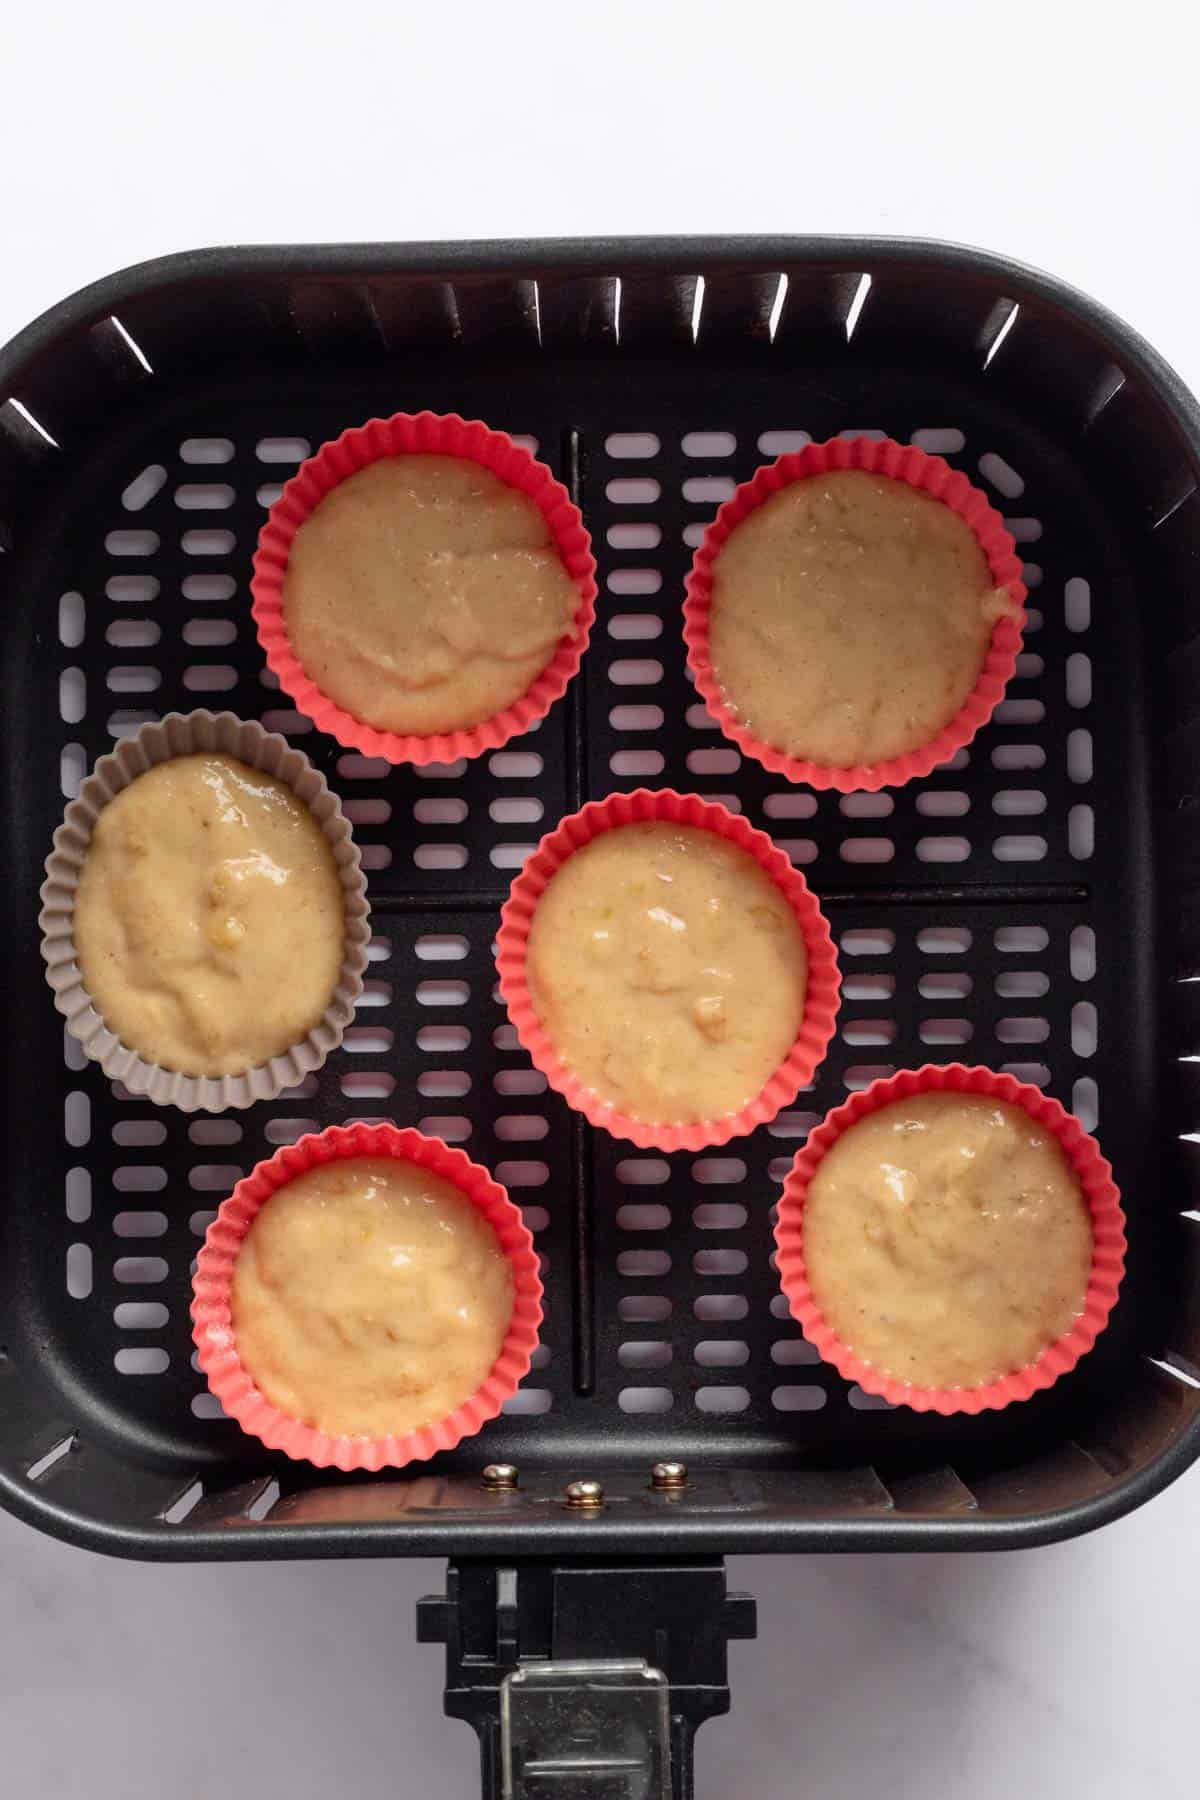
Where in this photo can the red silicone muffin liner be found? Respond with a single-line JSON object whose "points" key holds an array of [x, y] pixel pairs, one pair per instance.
{"points": [[1108, 1240], [821, 998], [213, 1329], [444, 435], [934, 476]]}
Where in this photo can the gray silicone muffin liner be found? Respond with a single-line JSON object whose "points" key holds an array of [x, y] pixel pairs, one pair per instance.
{"points": [[178, 735]]}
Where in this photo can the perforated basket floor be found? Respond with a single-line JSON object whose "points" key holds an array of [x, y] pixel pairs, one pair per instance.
{"points": [[682, 1335], [1001, 911]]}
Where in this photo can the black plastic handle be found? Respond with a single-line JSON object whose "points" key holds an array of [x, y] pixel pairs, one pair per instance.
{"points": [[586, 1679]]}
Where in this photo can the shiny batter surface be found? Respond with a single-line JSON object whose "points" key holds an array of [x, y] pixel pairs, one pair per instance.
{"points": [[947, 1240], [424, 594], [668, 970], [851, 616], [370, 1296], [209, 923]]}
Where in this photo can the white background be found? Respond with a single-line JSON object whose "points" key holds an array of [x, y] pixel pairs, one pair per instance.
{"points": [[1062, 134]]}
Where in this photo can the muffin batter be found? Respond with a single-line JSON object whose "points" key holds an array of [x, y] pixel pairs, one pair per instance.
{"points": [[851, 615], [947, 1240], [209, 923], [668, 970], [425, 594], [370, 1296]]}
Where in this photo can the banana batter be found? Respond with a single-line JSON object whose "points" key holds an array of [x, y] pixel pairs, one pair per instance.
{"points": [[947, 1240], [668, 970], [370, 1296], [851, 616], [209, 922], [424, 594]]}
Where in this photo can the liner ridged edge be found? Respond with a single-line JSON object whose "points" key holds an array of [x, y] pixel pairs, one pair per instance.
{"points": [[821, 995], [1093, 1172], [446, 434], [214, 1336], [179, 734], [929, 474]]}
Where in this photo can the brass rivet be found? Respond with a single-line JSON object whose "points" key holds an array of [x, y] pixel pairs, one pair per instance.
{"points": [[669, 1475], [584, 1495], [500, 1475]]}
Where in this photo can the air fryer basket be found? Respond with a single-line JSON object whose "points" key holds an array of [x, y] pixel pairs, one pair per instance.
{"points": [[1033, 906]]}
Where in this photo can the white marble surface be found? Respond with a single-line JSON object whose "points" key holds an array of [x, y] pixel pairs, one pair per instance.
{"points": [[1055, 1673], [1063, 135]]}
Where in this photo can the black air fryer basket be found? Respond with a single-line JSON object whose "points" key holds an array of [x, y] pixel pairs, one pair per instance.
{"points": [[1033, 906]]}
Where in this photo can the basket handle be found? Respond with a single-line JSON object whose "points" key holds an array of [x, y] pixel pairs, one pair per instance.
{"points": [[586, 1678]]}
